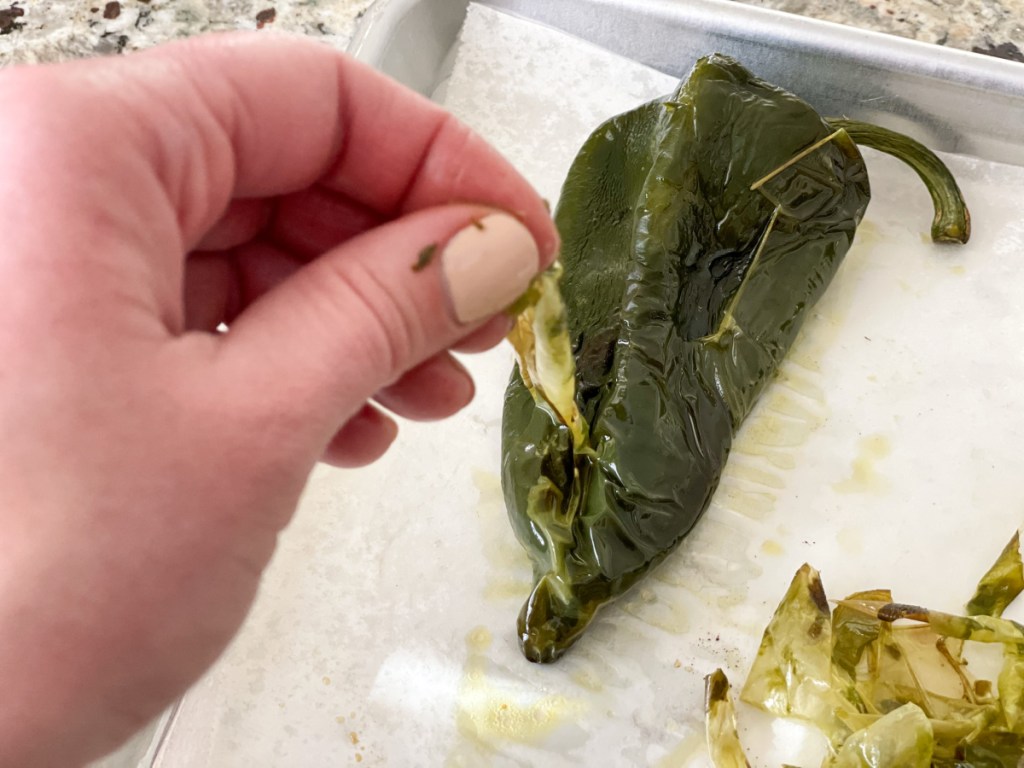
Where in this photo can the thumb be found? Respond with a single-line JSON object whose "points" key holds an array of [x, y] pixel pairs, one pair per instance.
{"points": [[354, 320]]}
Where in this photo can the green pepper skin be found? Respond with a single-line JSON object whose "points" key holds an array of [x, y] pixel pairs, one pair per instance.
{"points": [[684, 289]]}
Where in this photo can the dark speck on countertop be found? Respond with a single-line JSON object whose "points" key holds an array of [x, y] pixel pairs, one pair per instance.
{"points": [[1003, 51], [111, 43], [265, 17], [111, 10], [7, 19]]}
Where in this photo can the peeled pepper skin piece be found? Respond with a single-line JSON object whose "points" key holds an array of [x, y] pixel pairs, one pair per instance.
{"points": [[684, 289]]}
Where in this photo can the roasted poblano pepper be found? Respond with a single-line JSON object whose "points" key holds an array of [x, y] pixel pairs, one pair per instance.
{"points": [[698, 231]]}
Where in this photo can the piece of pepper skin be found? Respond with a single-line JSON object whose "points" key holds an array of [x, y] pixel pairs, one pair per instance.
{"points": [[698, 232]]}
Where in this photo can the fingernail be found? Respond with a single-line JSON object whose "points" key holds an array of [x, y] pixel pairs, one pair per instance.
{"points": [[487, 265]]}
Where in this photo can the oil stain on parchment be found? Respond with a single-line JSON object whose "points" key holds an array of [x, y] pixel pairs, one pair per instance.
{"points": [[864, 475], [496, 708], [508, 573]]}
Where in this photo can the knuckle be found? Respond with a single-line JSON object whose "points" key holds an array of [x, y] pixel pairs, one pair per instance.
{"points": [[385, 334]]}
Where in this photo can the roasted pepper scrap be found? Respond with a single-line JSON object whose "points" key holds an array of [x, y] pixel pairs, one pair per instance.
{"points": [[698, 231], [887, 695], [720, 723], [1001, 584]]}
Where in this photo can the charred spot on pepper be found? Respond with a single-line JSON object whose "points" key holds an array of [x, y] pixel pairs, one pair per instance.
{"points": [[893, 651], [817, 627], [896, 611], [817, 593], [595, 354], [717, 686], [558, 466]]}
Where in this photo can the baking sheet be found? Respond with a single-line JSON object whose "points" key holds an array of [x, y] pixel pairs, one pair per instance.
{"points": [[886, 454]]}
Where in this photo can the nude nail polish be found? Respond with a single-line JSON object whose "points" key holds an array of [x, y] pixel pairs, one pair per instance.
{"points": [[487, 265]]}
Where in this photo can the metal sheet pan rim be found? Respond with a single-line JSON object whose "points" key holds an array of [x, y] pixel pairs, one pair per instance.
{"points": [[869, 48], [953, 101]]}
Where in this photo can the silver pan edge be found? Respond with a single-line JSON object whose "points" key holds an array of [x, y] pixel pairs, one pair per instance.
{"points": [[954, 101]]}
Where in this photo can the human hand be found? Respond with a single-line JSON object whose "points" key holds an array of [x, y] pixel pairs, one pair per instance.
{"points": [[150, 462]]}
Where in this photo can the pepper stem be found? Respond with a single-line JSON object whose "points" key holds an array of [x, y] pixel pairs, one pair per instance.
{"points": [[952, 223]]}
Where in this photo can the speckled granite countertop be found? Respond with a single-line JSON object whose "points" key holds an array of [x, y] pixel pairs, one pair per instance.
{"points": [[995, 27], [48, 30]]}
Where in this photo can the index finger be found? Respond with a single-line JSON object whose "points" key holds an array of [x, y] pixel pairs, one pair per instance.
{"points": [[294, 112]]}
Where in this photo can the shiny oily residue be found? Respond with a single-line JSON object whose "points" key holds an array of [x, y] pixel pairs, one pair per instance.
{"points": [[771, 431], [756, 476], [489, 715], [851, 540], [666, 613], [689, 748], [594, 668], [766, 447], [588, 679], [772, 547], [508, 574], [756, 505], [869, 235], [864, 475]]}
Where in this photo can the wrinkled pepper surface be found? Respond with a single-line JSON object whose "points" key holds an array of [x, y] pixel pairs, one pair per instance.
{"points": [[698, 232]]}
